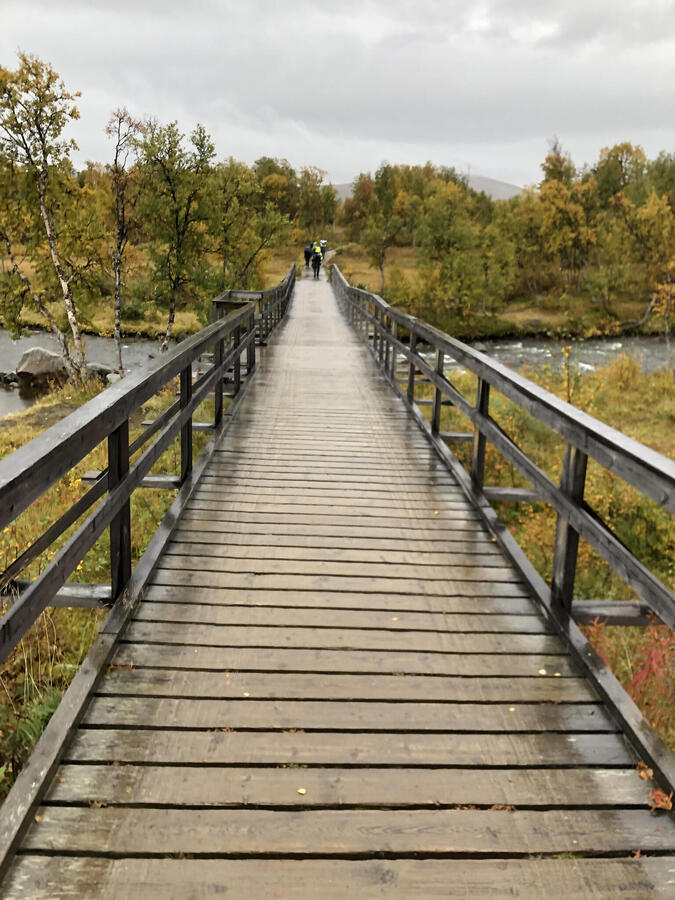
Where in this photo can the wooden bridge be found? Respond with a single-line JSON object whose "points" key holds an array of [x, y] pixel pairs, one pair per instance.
{"points": [[333, 674]]}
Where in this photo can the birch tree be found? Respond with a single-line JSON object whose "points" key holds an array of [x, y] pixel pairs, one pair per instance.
{"points": [[35, 107]]}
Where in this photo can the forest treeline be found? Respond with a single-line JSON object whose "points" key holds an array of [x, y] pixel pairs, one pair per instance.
{"points": [[602, 233], [163, 224]]}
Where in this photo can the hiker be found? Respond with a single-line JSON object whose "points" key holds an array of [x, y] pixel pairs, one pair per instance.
{"points": [[317, 257], [323, 245], [308, 253]]}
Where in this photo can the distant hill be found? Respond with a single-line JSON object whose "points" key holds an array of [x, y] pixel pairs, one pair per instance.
{"points": [[498, 190]]}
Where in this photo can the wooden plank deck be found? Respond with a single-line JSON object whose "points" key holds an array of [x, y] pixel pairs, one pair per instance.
{"points": [[336, 686]]}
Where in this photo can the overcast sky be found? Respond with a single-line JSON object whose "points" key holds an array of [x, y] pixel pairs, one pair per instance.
{"points": [[345, 85]]}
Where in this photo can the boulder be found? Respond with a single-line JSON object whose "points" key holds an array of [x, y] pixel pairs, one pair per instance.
{"points": [[99, 370], [37, 364]]}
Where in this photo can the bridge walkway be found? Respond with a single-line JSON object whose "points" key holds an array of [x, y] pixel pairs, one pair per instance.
{"points": [[336, 685]]}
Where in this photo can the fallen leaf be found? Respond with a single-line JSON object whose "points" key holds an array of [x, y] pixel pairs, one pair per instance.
{"points": [[645, 773], [38, 818], [246, 694], [394, 618], [660, 800], [512, 709], [435, 512], [542, 671], [557, 675], [302, 790]]}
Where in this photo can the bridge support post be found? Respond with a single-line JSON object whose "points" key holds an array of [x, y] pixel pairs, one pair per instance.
{"points": [[411, 373], [438, 396], [572, 483], [394, 350], [120, 526], [250, 349], [479, 440], [237, 360], [186, 429]]}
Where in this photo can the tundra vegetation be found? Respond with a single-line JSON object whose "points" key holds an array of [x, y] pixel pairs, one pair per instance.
{"points": [[141, 243]]}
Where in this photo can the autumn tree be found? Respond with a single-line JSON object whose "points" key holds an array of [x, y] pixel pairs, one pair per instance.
{"points": [[35, 107], [175, 180], [125, 186]]}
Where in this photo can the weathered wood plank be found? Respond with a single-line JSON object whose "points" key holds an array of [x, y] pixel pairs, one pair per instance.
{"points": [[320, 582], [153, 712], [326, 568], [278, 787], [219, 534], [340, 639], [332, 554], [439, 512], [516, 750], [181, 683], [338, 618], [260, 832], [36, 877], [462, 603], [281, 659], [266, 525]]}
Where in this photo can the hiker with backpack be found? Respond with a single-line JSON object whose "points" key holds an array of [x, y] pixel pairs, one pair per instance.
{"points": [[317, 257]]}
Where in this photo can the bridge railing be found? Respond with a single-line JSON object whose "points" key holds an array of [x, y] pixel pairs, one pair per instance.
{"points": [[271, 304], [32, 470], [394, 336]]}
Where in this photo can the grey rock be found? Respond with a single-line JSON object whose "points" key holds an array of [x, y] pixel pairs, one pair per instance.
{"points": [[99, 370], [37, 363], [113, 377]]}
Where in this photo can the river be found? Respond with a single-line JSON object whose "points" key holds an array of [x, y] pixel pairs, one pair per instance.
{"points": [[534, 352]]}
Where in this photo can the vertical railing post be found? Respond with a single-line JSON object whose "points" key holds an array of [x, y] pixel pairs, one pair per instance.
{"points": [[394, 350], [572, 483], [186, 428], [387, 342], [250, 350], [382, 339], [478, 450], [218, 355], [120, 527], [438, 396], [411, 372], [376, 330], [237, 359]]}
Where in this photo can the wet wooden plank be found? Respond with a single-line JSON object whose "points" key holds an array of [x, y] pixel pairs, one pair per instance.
{"points": [[35, 877], [221, 659], [516, 750], [153, 712], [338, 618], [350, 584], [278, 787], [333, 489], [305, 511], [300, 551], [397, 547], [260, 832], [325, 568], [369, 535], [507, 605], [338, 638], [191, 683]]}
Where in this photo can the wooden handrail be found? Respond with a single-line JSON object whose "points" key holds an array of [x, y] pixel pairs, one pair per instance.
{"points": [[648, 471], [30, 471]]}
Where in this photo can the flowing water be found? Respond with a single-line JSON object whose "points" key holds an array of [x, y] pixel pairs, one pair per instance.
{"points": [[534, 352], [100, 350]]}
